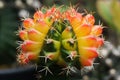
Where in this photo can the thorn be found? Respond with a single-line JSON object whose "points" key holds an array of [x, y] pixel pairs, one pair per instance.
{"points": [[85, 11], [45, 57], [54, 29], [99, 23], [66, 70], [92, 12], [71, 40], [101, 56], [42, 70], [49, 70], [46, 69], [49, 41], [95, 63], [72, 55], [19, 42], [23, 18], [74, 37], [36, 66]]}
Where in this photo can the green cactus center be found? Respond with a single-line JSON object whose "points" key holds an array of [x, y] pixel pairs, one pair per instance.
{"points": [[60, 42]]}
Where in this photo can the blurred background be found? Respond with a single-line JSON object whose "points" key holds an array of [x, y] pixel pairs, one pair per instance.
{"points": [[106, 12]]}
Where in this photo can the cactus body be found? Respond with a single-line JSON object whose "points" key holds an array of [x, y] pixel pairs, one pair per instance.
{"points": [[63, 37]]}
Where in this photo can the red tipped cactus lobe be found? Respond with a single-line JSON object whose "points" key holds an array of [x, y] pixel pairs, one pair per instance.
{"points": [[89, 52], [50, 12], [23, 34], [41, 26], [97, 30], [30, 46], [91, 39], [87, 56], [100, 41], [89, 19], [24, 58], [86, 62], [83, 30], [28, 23], [38, 15], [61, 36], [35, 35], [75, 20]]}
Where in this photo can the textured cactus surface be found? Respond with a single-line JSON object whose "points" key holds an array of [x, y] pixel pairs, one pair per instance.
{"points": [[62, 37]]}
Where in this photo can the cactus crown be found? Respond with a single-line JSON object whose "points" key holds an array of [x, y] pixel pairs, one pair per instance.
{"points": [[65, 38]]}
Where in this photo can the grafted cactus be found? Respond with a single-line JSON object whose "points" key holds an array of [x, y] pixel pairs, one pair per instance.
{"points": [[63, 38]]}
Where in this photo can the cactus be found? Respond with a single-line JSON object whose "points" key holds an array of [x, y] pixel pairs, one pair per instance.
{"points": [[63, 38]]}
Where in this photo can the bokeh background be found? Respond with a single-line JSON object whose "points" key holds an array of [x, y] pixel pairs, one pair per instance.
{"points": [[106, 12]]}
